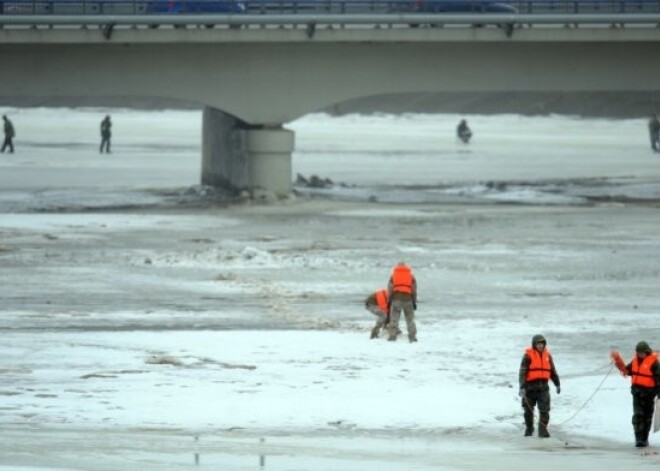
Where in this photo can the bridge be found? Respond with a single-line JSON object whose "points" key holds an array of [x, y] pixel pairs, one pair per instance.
{"points": [[255, 72]]}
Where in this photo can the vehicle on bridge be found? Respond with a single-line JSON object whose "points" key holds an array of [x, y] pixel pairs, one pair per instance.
{"points": [[377, 6], [293, 7], [461, 6], [195, 6], [586, 6], [118, 7], [73, 7]]}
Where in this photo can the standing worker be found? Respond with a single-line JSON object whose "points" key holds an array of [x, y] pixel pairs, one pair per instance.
{"points": [[644, 372], [402, 293], [536, 369], [10, 133], [654, 133], [376, 304], [105, 134]]}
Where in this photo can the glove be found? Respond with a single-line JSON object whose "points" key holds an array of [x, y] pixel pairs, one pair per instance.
{"points": [[521, 393], [414, 305], [558, 389]]}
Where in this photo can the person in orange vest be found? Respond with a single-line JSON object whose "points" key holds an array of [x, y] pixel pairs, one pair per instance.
{"points": [[536, 368], [402, 293], [377, 304], [644, 372]]}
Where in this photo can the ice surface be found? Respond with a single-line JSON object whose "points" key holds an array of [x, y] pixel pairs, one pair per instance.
{"points": [[145, 328]]}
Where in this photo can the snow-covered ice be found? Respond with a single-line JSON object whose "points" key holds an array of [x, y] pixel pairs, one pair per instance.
{"points": [[147, 325]]}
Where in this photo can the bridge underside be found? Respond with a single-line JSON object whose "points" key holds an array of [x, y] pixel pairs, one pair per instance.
{"points": [[273, 83]]}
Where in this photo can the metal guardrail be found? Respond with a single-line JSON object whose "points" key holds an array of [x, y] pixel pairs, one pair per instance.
{"points": [[330, 19], [136, 7], [237, 13]]}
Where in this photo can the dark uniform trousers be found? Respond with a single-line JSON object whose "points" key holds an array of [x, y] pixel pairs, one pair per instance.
{"points": [[537, 394], [643, 405]]}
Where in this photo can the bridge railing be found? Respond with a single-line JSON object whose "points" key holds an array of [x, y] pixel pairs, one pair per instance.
{"points": [[348, 7], [237, 14], [586, 6]]}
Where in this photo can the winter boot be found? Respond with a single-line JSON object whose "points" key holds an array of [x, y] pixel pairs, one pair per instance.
{"points": [[529, 424], [412, 338], [543, 425], [642, 439], [645, 432], [374, 333]]}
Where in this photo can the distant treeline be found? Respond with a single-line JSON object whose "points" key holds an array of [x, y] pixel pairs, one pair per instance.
{"points": [[601, 104], [597, 104]]}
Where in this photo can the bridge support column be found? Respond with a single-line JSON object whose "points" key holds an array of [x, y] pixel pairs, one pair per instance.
{"points": [[224, 151], [242, 157], [270, 161]]}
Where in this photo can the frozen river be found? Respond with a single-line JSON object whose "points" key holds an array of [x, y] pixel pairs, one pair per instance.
{"points": [[150, 324]]}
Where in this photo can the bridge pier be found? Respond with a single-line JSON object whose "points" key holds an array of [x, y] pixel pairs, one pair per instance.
{"points": [[242, 157], [269, 153]]}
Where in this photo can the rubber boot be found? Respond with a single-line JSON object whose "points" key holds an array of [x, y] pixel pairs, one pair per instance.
{"points": [[646, 431], [642, 430], [643, 438], [529, 423], [544, 420]]}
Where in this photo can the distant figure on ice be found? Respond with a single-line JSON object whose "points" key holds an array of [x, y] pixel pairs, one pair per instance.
{"points": [[402, 295], [376, 304], [644, 372], [9, 135], [654, 133], [463, 132], [536, 369], [105, 134]]}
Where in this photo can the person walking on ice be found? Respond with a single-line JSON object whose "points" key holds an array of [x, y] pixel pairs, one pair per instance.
{"points": [[644, 372], [654, 133], [106, 133], [536, 368], [10, 133]]}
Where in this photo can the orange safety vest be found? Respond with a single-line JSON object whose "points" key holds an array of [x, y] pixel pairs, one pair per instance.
{"points": [[402, 279], [381, 300], [641, 373], [540, 367]]}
